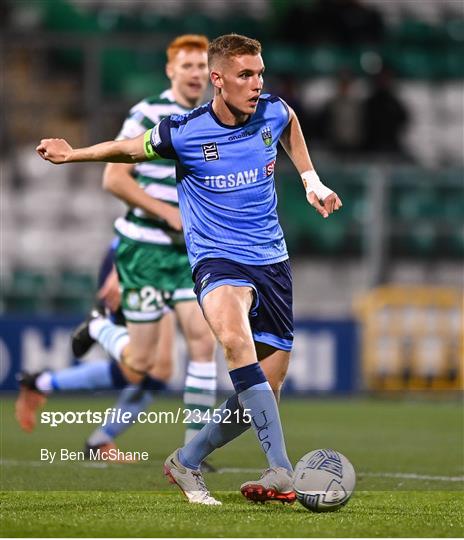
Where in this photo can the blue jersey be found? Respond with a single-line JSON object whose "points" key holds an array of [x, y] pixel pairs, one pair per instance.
{"points": [[225, 181]]}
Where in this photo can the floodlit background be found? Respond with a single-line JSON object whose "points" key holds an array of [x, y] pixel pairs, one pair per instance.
{"points": [[378, 87]]}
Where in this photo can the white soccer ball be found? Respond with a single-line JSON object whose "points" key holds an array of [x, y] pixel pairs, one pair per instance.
{"points": [[324, 480]]}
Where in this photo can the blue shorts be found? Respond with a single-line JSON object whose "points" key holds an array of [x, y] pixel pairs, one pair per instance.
{"points": [[104, 271], [107, 263], [271, 315]]}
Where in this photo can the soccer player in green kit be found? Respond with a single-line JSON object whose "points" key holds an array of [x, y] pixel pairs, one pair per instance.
{"points": [[154, 273]]}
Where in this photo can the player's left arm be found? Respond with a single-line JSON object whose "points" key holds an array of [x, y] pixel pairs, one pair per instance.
{"points": [[324, 200]]}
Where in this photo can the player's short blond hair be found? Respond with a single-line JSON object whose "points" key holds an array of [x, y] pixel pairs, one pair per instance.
{"points": [[186, 42], [231, 45]]}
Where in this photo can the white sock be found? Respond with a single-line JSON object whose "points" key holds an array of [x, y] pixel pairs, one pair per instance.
{"points": [[96, 325], [44, 382], [112, 338], [99, 437], [199, 392]]}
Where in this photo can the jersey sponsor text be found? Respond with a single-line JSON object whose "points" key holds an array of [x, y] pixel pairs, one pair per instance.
{"points": [[232, 180]]}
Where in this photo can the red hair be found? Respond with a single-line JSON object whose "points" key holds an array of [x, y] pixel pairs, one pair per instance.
{"points": [[187, 42]]}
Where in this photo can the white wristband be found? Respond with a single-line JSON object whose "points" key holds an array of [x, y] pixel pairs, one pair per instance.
{"points": [[311, 182]]}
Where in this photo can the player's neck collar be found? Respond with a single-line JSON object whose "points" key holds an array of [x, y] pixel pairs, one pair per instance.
{"points": [[169, 94], [227, 126]]}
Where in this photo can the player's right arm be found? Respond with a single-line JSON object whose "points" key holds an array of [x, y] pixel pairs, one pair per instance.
{"points": [[117, 179], [123, 151]]}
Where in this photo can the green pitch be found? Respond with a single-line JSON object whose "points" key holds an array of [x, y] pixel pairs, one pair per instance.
{"points": [[408, 456]]}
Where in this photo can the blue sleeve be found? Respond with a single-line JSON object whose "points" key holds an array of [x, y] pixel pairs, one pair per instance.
{"points": [[287, 112], [280, 111], [161, 140]]}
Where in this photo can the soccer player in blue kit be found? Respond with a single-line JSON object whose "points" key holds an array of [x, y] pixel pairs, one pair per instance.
{"points": [[226, 152]]}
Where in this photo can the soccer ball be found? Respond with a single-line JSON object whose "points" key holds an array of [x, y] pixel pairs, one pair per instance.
{"points": [[324, 480]]}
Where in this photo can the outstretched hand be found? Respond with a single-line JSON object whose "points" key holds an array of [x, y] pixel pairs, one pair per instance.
{"points": [[329, 205], [54, 150]]}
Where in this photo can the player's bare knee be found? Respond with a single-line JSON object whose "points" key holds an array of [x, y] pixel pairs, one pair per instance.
{"points": [[139, 362], [234, 344], [202, 350], [125, 354], [131, 365], [132, 376], [164, 376], [162, 370]]}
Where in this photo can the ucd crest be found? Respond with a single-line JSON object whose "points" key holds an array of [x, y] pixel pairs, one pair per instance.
{"points": [[266, 134]]}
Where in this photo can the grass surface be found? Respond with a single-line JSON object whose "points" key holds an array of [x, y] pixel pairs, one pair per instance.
{"points": [[408, 457]]}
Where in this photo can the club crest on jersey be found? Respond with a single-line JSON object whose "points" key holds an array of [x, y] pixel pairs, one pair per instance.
{"points": [[210, 151], [266, 134], [133, 300]]}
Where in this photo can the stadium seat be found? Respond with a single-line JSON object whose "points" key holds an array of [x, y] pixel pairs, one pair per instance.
{"points": [[418, 32], [28, 291], [330, 235], [325, 60], [421, 238], [456, 242], [452, 201], [75, 292], [62, 16], [142, 84]]}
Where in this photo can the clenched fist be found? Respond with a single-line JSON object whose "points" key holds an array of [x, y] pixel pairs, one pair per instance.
{"points": [[54, 150]]}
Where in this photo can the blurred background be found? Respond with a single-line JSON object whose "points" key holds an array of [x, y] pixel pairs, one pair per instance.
{"points": [[379, 88]]}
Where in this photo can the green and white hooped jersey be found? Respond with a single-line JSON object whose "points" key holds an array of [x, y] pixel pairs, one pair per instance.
{"points": [[157, 178]]}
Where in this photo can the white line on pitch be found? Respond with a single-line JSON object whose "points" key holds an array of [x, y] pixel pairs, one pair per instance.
{"points": [[414, 476], [30, 463], [235, 470], [411, 476]]}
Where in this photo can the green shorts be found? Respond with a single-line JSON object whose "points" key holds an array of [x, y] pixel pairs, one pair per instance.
{"points": [[152, 278]]}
